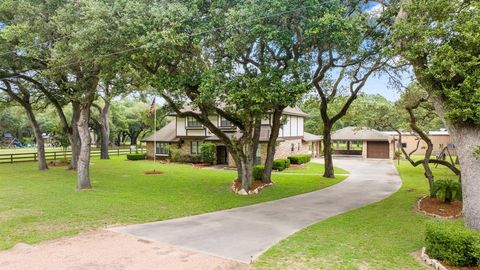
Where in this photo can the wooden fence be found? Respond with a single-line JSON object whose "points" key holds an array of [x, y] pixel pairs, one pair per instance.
{"points": [[59, 155]]}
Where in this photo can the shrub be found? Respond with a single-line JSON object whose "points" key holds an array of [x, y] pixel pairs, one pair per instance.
{"points": [[258, 172], [281, 164], [136, 156], [447, 190], [174, 155], [287, 162], [299, 159], [207, 152], [453, 244]]}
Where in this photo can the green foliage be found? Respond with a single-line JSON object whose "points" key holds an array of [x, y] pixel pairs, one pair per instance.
{"points": [[281, 164], [207, 152], [174, 154], [440, 39], [300, 159], [447, 190], [476, 153], [258, 172], [136, 156], [453, 245]]}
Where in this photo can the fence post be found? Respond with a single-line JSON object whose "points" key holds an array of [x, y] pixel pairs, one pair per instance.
{"points": [[34, 156], [11, 158], [118, 152], [54, 155]]}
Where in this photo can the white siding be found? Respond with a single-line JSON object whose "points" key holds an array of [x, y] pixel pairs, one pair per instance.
{"points": [[214, 119], [181, 131], [300, 126], [196, 132], [287, 126], [294, 126]]}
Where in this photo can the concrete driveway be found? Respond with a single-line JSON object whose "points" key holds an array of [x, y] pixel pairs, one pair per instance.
{"points": [[242, 234]]}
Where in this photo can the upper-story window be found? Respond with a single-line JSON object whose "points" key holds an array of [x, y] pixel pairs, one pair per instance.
{"points": [[192, 122], [224, 122]]}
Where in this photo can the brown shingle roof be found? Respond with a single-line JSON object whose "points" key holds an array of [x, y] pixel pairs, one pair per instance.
{"points": [[165, 134], [359, 134], [309, 137]]}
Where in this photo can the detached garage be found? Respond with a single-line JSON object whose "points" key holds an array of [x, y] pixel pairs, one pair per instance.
{"points": [[375, 144]]}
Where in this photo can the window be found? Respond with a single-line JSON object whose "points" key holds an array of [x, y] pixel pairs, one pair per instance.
{"points": [[161, 149], [224, 122], [192, 122], [404, 145], [293, 147], [195, 147]]}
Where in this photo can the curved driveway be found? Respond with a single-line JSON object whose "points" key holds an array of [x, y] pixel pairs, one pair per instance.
{"points": [[244, 233]]}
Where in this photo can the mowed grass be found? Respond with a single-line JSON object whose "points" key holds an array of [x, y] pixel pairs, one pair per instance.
{"points": [[311, 168], [41, 205], [379, 236]]}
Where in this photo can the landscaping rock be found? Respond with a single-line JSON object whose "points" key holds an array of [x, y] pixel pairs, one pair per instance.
{"points": [[242, 192]]}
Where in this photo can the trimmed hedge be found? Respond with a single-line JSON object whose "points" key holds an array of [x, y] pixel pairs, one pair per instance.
{"points": [[452, 244], [208, 152], [136, 156], [258, 172], [281, 164], [300, 159]]}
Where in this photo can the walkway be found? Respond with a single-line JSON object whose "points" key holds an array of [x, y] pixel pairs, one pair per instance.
{"points": [[242, 234]]}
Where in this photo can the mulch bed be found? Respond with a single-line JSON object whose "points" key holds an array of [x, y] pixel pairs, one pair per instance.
{"points": [[200, 165], [153, 172], [297, 166], [57, 164], [435, 206], [255, 184]]}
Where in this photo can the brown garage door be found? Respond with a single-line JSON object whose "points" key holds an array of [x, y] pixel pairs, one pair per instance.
{"points": [[377, 150]]}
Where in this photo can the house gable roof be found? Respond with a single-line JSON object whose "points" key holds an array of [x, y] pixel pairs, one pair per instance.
{"points": [[359, 134], [165, 134]]}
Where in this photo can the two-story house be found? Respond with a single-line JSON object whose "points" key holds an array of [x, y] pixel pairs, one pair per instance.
{"points": [[187, 135]]}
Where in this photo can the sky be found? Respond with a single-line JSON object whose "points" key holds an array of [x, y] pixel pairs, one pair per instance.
{"points": [[380, 84]]}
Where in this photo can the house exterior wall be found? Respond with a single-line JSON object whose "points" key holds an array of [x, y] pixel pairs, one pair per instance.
{"points": [[438, 141]]}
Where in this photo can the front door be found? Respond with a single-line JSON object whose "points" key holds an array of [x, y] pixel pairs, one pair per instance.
{"points": [[222, 155]]}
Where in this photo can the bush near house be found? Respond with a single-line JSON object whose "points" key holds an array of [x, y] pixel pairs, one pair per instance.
{"points": [[281, 164], [136, 156], [299, 159], [207, 152], [174, 155], [258, 172], [452, 244]]}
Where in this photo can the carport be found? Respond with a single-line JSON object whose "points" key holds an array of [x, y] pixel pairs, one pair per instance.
{"points": [[374, 144]]}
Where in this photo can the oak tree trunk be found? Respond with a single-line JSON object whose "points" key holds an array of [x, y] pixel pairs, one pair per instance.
{"points": [[466, 139], [83, 167], [42, 161], [271, 146], [105, 131], [74, 136], [327, 151]]}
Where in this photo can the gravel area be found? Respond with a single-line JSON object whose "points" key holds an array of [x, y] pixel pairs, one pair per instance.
{"points": [[109, 250]]}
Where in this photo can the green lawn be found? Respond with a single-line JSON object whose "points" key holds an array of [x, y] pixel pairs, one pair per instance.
{"points": [[312, 168], [379, 236], [40, 205]]}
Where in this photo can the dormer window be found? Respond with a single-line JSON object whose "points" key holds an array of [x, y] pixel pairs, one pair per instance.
{"points": [[192, 122], [225, 123]]}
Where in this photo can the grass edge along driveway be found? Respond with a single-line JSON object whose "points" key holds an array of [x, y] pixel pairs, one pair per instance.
{"points": [[43, 205], [382, 235]]}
